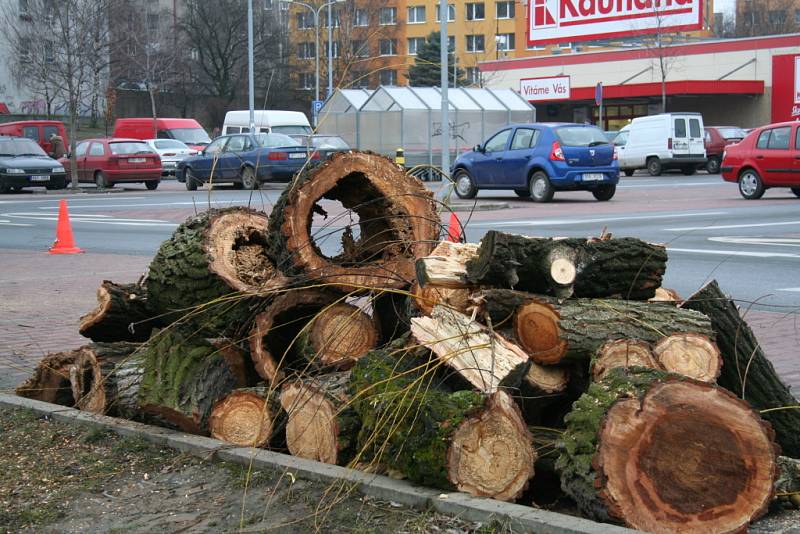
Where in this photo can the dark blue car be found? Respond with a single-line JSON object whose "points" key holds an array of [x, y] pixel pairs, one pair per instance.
{"points": [[246, 160], [536, 160]]}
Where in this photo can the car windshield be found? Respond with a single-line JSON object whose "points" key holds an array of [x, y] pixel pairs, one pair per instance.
{"points": [[289, 130], [329, 142], [20, 147], [130, 147], [732, 133], [272, 140], [166, 144], [191, 136], [581, 136]]}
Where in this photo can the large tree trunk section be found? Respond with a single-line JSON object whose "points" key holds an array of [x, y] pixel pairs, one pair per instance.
{"points": [[246, 417], [274, 337], [93, 375], [50, 380], [208, 273], [625, 268], [238, 361], [690, 355], [322, 425], [337, 336], [121, 314], [428, 296], [446, 265], [183, 378], [573, 330], [622, 353], [663, 453], [746, 371], [397, 223]]}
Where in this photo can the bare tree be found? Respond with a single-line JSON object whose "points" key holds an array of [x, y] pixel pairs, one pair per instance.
{"points": [[766, 17], [658, 45]]}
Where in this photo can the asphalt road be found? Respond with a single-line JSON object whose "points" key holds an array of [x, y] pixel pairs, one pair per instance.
{"points": [[751, 247]]}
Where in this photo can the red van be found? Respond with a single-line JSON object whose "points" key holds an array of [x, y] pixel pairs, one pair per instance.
{"points": [[38, 131], [187, 130]]}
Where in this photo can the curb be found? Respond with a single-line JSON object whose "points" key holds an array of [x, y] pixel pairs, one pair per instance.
{"points": [[520, 518], [478, 206]]}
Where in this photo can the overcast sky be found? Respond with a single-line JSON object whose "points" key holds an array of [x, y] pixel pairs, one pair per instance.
{"points": [[728, 6]]}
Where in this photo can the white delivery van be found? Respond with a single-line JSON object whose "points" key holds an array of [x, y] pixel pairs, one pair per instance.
{"points": [[266, 121], [658, 142]]}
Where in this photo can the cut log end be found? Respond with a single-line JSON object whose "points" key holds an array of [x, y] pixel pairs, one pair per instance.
{"points": [[622, 353], [547, 379], [709, 466], [312, 429], [563, 271], [341, 334], [690, 355], [426, 297], [536, 326], [243, 418], [446, 266], [664, 294], [491, 453]]}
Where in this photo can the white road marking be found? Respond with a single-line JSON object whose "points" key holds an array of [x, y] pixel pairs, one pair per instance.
{"points": [[776, 241], [80, 218], [792, 289], [57, 200], [669, 186], [735, 253], [731, 226], [562, 222], [200, 204]]}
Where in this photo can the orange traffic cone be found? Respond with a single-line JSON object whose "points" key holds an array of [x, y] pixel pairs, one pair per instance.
{"points": [[454, 229], [64, 243]]}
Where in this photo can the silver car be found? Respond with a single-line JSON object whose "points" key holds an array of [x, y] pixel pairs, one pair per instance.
{"points": [[172, 152]]}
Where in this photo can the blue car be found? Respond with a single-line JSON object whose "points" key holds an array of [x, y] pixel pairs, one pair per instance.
{"points": [[246, 160], [536, 160]]}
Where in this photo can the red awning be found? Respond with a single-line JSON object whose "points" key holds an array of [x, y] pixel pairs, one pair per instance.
{"points": [[688, 87]]}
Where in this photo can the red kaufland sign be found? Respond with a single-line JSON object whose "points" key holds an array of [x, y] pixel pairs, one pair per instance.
{"points": [[554, 21]]}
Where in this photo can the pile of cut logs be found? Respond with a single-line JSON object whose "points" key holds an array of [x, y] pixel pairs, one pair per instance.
{"points": [[524, 369]]}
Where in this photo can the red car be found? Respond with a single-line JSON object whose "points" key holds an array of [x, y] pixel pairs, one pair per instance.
{"points": [[716, 139], [768, 157], [110, 161]]}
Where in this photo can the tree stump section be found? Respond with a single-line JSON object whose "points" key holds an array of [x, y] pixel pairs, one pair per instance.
{"points": [[121, 314], [662, 453], [428, 296], [622, 353], [338, 336], [211, 271], [397, 223], [623, 268], [245, 417], [93, 375], [690, 355], [446, 266], [50, 380], [746, 371], [321, 425]]}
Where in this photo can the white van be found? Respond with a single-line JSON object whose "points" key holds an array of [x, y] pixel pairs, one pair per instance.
{"points": [[266, 121], [658, 142]]}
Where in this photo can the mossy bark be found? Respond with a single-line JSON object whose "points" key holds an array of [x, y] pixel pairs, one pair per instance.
{"points": [[746, 371], [122, 314]]}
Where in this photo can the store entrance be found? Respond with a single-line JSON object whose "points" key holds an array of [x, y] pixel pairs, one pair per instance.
{"points": [[617, 115]]}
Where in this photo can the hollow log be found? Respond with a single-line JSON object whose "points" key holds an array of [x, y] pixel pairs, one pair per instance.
{"points": [[121, 314], [664, 453], [248, 417], [93, 376], [337, 336], [212, 271], [322, 425], [690, 355], [446, 265], [595, 268], [50, 380], [573, 330], [184, 376], [746, 371], [543, 388], [398, 223], [622, 353]]}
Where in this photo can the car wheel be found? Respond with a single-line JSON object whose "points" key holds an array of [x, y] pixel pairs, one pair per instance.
{"points": [[604, 192], [541, 188], [191, 181], [523, 193], [629, 172], [654, 166], [796, 191], [101, 181], [152, 185], [59, 183], [465, 185], [712, 165], [750, 185], [689, 170], [248, 177]]}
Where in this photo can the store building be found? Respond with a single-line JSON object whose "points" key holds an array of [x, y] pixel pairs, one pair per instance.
{"points": [[744, 82]]}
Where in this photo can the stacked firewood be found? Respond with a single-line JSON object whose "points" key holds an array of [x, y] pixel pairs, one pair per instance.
{"points": [[491, 369]]}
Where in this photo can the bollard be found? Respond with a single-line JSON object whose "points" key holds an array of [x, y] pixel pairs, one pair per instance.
{"points": [[399, 157]]}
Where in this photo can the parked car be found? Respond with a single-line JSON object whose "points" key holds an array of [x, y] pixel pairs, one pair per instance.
{"points": [[659, 142], [23, 163], [325, 145], [716, 139], [246, 160], [188, 131], [267, 121], [37, 131], [768, 157], [171, 152], [107, 162], [536, 160]]}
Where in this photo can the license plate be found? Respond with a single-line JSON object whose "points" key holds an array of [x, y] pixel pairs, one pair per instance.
{"points": [[168, 164], [297, 155], [40, 178], [593, 176], [136, 160]]}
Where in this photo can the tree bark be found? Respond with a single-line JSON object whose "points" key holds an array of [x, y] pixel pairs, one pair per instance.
{"points": [[50, 380], [397, 223], [787, 487], [93, 375], [446, 265], [338, 336], [622, 268], [663, 453], [212, 270], [248, 417], [322, 424], [121, 314], [746, 371], [573, 330]]}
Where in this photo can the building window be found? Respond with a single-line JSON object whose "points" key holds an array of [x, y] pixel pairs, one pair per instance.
{"points": [[388, 16], [474, 75], [536, 47], [305, 21], [505, 41], [565, 46], [416, 14], [505, 10], [334, 19], [476, 11], [388, 47], [305, 50], [360, 80], [414, 44], [334, 51], [361, 17], [451, 43], [777, 17], [475, 43], [152, 22], [306, 80], [388, 77], [360, 48], [451, 13]]}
